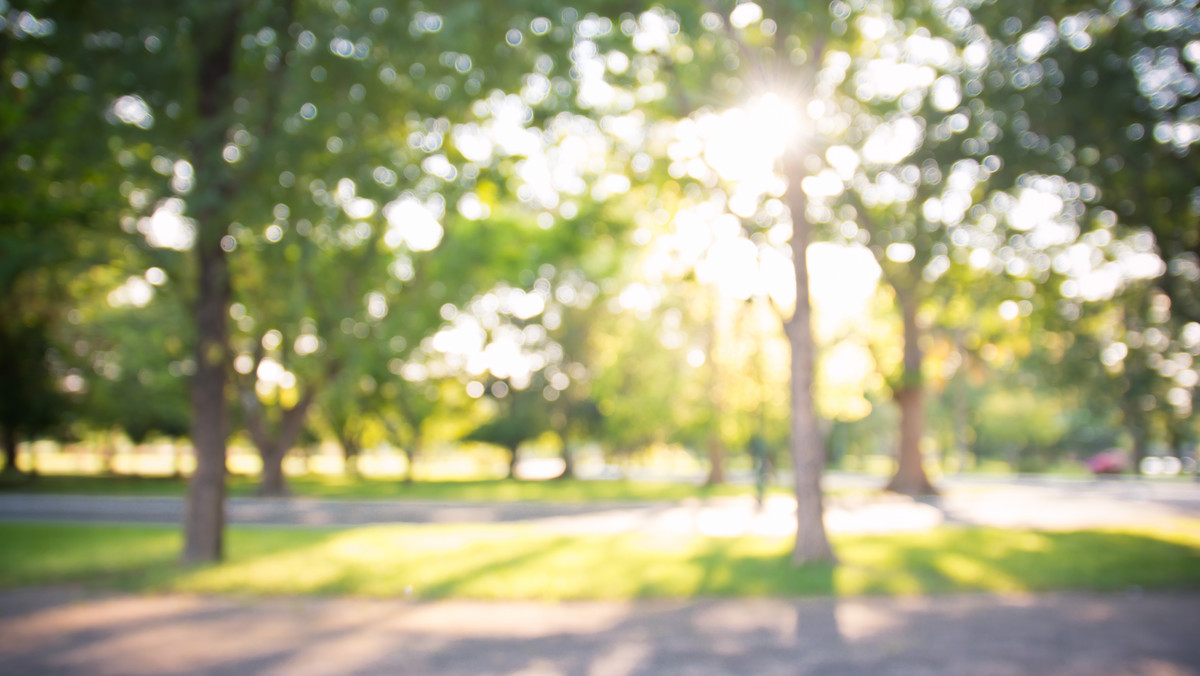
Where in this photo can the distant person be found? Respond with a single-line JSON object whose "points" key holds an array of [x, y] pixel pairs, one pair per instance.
{"points": [[764, 467]]}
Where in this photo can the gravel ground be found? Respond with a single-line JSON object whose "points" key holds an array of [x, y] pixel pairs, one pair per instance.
{"points": [[62, 631]]}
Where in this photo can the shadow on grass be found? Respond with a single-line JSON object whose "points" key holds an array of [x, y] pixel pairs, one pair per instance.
{"points": [[750, 566], [461, 580], [994, 560], [517, 562]]}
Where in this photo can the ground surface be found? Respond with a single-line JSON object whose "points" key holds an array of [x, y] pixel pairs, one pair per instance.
{"points": [[67, 632]]}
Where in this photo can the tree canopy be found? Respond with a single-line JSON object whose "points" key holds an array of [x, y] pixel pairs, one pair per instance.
{"points": [[929, 228]]}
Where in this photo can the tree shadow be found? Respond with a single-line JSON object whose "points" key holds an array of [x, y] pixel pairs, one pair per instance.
{"points": [[458, 584], [968, 634], [1002, 561]]}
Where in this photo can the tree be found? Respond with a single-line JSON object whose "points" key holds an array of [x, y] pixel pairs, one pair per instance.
{"points": [[574, 414], [213, 81], [710, 63], [1127, 75], [818, 54], [912, 175], [521, 416], [414, 407], [52, 190], [644, 393], [253, 104], [33, 403], [1104, 96], [435, 177], [130, 345]]}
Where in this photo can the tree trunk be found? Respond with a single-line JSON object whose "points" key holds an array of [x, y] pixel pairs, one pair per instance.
{"points": [[716, 450], [1138, 432], [10, 451], [961, 426], [109, 453], [962, 413], [204, 518], [350, 449], [411, 451], [910, 478], [273, 483], [513, 459], [808, 457], [562, 425], [410, 454], [204, 521], [716, 461], [568, 461], [273, 450]]}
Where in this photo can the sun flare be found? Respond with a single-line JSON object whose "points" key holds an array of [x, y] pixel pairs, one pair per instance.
{"points": [[774, 121], [744, 144]]}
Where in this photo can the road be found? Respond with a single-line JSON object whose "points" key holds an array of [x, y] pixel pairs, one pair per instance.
{"points": [[1035, 504]]}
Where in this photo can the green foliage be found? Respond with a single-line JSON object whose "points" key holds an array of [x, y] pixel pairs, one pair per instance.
{"points": [[31, 403], [55, 189], [639, 388], [135, 359], [335, 114], [520, 421], [1016, 420]]}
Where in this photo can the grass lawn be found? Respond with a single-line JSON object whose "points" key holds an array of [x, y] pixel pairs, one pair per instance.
{"points": [[360, 488], [519, 562]]}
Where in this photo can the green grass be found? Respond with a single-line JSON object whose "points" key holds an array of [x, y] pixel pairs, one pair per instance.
{"points": [[519, 562], [359, 488]]}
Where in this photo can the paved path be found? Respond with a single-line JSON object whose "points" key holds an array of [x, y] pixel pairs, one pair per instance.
{"points": [[68, 632], [1011, 504]]}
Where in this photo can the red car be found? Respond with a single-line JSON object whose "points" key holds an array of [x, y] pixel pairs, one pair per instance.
{"points": [[1108, 462]]}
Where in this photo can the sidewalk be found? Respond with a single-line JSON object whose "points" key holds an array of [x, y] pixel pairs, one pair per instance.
{"points": [[1013, 505], [68, 632]]}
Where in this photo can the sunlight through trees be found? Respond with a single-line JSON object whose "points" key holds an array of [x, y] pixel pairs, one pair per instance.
{"points": [[915, 237]]}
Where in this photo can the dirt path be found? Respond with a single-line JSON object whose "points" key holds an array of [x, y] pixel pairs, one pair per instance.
{"points": [[69, 632]]}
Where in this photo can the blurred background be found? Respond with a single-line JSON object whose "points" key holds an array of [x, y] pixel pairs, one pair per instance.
{"points": [[416, 243]]}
